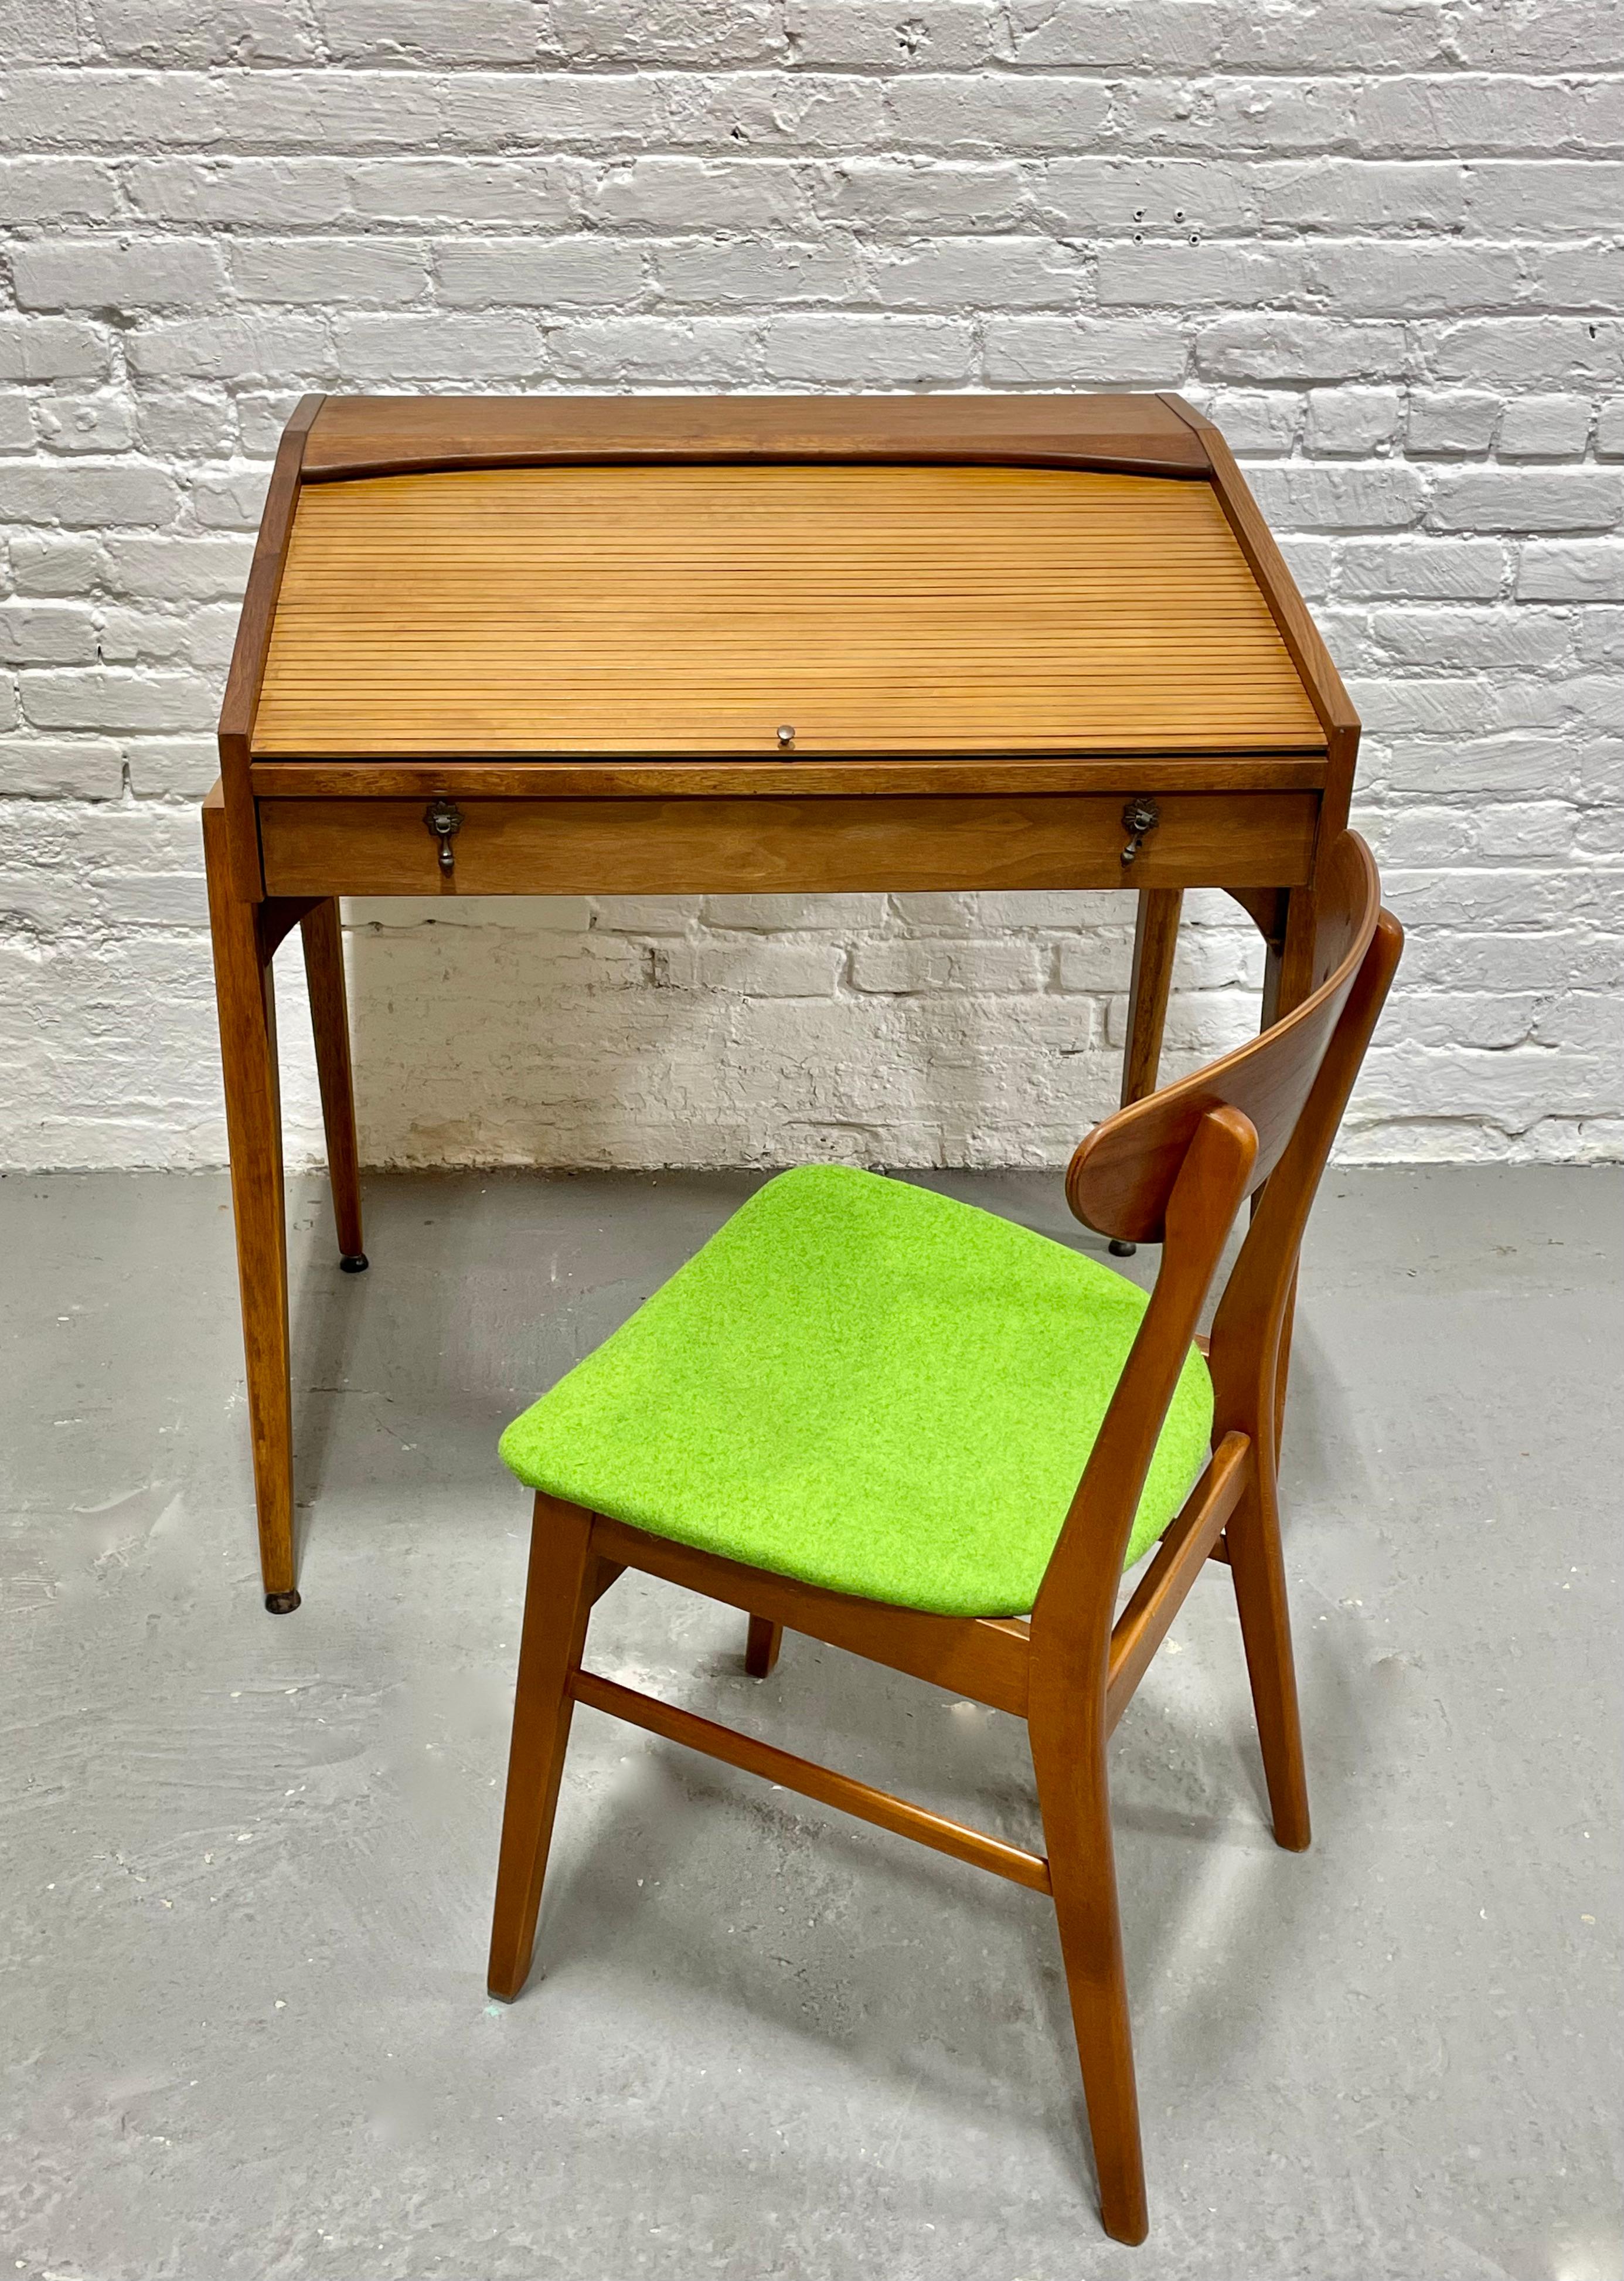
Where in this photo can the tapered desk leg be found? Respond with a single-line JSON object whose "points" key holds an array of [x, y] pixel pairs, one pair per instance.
{"points": [[329, 1013], [1156, 936], [253, 1126]]}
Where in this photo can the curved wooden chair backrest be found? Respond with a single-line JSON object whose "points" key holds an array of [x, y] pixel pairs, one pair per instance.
{"points": [[1175, 1169], [1121, 1180]]}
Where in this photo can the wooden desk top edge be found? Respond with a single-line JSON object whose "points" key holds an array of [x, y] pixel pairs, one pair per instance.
{"points": [[356, 436]]}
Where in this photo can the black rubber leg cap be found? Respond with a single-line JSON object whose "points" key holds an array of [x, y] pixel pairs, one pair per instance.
{"points": [[281, 1603], [1120, 1250], [353, 1263]]}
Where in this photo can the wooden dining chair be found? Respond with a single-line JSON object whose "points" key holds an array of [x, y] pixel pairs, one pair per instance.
{"points": [[882, 1418]]}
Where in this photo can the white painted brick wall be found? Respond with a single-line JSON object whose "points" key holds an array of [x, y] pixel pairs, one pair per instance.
{"points": [[1380, 239]]}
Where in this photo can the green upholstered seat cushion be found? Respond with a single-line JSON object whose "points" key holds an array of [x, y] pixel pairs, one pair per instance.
{"points": [[867, 1385]]}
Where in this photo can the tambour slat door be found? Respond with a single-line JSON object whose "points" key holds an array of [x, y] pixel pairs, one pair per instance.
{"points": [[672, 609]]}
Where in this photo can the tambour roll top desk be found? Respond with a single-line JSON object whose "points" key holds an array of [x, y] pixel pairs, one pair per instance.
{"points": [[685, 645]]}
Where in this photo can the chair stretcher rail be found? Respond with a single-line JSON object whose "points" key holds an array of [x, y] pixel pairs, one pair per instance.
{"points": [[812, 1781]]}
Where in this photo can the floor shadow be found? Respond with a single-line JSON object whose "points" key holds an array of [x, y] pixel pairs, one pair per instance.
{"points": [[327, 1318], [744, 1896]]}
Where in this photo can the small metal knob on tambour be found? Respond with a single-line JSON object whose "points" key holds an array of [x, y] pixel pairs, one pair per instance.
{"points": [[443, 818], [786, 736]]}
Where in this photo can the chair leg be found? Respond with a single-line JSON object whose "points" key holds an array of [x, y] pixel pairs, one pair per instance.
{"points": [[329, 1013], [761, 1646], [1258, 1570], [1075, 1803], [557, 1601]]}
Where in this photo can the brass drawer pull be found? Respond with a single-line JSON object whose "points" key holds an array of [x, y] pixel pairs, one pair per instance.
{"points": [[443, 818], [1138, 817]]}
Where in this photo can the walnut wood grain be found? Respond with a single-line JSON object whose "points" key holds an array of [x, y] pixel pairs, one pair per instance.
{"points": [[245, 937], [377, 434], [722, 847], [1261, 549], [246, 672], [330, 1017], [1289, 980], [1251, 1334], [1068, 1712], [1156, 939], [1180, 1557], [560, 1588], [1121, 1176], [854, 777], [966, 1655]]}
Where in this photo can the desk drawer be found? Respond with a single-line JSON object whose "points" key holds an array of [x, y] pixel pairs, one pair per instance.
{"points": [[737, 846]]}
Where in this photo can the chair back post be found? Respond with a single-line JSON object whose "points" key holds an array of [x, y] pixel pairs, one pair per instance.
{"points": [[1072, 1615], [1120, 1178], [1248, 1330], [1175, 1168]]}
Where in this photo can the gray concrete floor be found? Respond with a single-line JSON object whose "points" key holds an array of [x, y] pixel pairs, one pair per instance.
{"points": [[248, 1862]]}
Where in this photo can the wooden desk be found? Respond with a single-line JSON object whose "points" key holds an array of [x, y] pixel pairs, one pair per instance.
{"points": [[628, 646]]}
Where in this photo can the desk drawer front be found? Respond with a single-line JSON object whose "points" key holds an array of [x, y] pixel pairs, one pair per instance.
{"points": [[740, 847]]}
